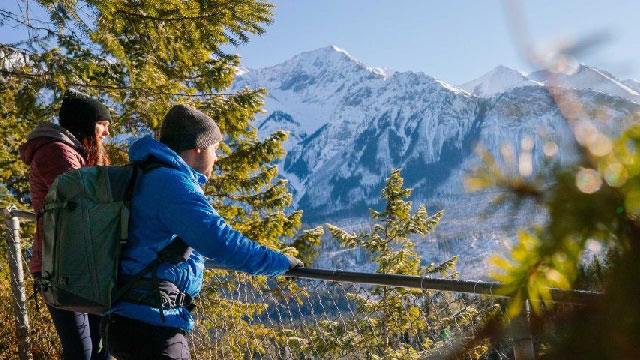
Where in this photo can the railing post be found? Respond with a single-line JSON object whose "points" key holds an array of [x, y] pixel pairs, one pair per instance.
{"points": [[17, 283], [521, 332]]}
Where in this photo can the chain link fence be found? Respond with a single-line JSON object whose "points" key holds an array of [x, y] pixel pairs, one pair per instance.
{"points": [[309, 314], [319, 319]]}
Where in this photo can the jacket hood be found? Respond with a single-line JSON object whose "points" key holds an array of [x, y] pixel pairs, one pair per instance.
{"points": [[45, 132], [147, 148]]}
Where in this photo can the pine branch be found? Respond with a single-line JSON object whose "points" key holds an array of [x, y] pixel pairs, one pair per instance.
{"points": [[151, 90], [165, 19], [17, 19]]}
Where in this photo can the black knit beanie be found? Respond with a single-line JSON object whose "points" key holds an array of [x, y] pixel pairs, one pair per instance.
{"points": [[185, 128], [79, 114]]}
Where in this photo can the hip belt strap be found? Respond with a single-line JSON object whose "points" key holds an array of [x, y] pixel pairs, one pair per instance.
{"points": [[144, 291]]}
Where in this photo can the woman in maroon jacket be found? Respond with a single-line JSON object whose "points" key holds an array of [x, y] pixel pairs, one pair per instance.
{"points": [[51, 150]]}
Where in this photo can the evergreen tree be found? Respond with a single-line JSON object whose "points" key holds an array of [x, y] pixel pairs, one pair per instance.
{"points": [[140, 58], [396, 314]]}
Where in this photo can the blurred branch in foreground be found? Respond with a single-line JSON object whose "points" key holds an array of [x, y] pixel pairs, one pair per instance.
{"points": [[592, 199]]}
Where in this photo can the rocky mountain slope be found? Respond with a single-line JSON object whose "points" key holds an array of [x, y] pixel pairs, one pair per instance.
{"points": [[351, 124]]}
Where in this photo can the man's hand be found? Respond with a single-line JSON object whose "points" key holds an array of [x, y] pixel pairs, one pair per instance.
{"points": [[294, 263]]}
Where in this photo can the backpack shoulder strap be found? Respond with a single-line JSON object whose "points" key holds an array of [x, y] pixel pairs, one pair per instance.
{"points": [[134, 180], [164, 254], [152, 164]]}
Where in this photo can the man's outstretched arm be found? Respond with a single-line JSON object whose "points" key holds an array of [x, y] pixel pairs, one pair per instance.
{"points": [[188, 214]]}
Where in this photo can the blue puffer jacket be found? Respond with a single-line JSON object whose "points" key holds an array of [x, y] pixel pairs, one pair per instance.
{"points": [[170, 202]]}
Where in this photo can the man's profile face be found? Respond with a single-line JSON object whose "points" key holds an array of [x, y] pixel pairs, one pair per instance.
{"points": [[206, 159]]}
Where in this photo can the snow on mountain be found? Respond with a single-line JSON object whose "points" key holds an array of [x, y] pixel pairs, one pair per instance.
{"points": [[309, 86], [351, 124], [633, 84], [329, 98], [586, 77], [384, 71], [590, 78], [497, 81]]}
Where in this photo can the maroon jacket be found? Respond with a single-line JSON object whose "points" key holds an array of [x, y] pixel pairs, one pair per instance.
{"points": [[50, 150]]}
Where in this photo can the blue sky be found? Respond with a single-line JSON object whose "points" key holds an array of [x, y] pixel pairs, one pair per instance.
{"points": [[452, 40]]}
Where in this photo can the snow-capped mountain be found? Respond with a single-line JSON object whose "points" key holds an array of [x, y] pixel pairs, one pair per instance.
{"points": [[633, 84], [497, 81], [351, 124], [310, 86], [590, 78], [585, 77]]}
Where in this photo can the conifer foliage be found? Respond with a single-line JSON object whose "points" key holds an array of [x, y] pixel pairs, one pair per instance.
{"points": [[389, 241], [592, 203], [140, 58], [397, 314]]}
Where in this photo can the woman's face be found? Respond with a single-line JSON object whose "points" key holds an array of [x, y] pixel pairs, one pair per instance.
{"points": [[102, 130]]}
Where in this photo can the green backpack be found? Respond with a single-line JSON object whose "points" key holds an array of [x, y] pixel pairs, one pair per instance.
{"points": [[85, 216]]}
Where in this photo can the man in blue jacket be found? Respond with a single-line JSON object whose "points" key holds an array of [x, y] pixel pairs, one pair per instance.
{"points": [[173, 225]]}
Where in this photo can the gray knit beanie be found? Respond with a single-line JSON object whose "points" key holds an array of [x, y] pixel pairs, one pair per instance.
{"points": [[185, 128]]}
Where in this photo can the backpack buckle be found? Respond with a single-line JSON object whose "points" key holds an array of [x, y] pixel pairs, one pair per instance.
{"points": [[180, 299], [184, 300]]}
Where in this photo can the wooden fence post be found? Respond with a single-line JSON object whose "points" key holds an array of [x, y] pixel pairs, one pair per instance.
{"points": [[14, 248], [521, 332]]}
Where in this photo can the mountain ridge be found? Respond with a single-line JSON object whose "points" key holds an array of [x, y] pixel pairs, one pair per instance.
{"points": [[497, 81], [350, 125]]}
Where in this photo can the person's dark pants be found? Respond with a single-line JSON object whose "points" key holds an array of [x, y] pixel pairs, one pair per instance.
{"points": [[131, 339], [79, 334]]}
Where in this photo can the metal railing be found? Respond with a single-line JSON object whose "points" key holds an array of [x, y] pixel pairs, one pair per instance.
{"points": [[576, 297], [323, 313]]}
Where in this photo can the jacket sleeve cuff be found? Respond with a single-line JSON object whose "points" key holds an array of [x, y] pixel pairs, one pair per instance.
{"points": [[283, 264]]}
